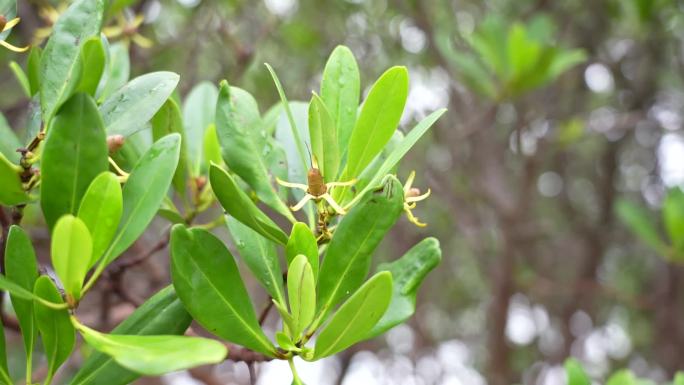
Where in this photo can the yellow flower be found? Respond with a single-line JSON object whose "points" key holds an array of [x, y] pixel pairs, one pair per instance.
{"points": [[49, 14], [411, 196], [127, 29], [6, 26]]}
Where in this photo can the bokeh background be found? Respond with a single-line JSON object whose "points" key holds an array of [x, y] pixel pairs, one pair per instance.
{"points": [[525, 170]]}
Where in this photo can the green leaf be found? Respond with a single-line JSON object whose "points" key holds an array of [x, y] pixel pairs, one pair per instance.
{"points": [[323, 136], [261, 257], [8, 8], [622, 377], [21, 268], [155, 355], [299, 143], [490, 43], [284, 341], [199, 111], [475, 74], [71, 253], [275, 158], [302, 241], [55, 328], [100, 210], [408, 273], [673, 218], [162, 314], [4, 371], [66, 174], [575, 373], [33, 69], [9, 143], [60, 64], [166, 121], [679, 379], [356, 317], [211, 147], [128, 110], [15, 289], [12, 193], [237, 204], [143, 193], [301, 290], [348, 258], [117, 72], [377, 122], [21, 77], [565, 60], [207, 280], [401, 150], [340, 89], [236, 132], [93, 59], [637, 220]]}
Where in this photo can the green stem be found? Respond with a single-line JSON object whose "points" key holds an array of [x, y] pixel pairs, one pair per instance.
{"points": [[29, 367], [295, 377]]}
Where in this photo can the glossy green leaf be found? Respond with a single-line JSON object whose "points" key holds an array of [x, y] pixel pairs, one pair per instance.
{"points": [[302, 241], [65, 175], [637, 220], [168, 120], [275, 158], [15, 289], [71, 250], [144, 192], [323, 136], [12, 193], [365, 180], [211, 148], [55, 328], [340, 90], [207, 280], [288, 321], [261, 257], [401, 150], [378, 119], [237, 204], [301, 291], [199, 111], [236, 132], [117, 71], [21, 77], [21, 268], [162, 314], [673, 218], [60, 64], [10, 142], [93, 59], [348, 258], [33, 69], [292, 122], [284, 341], [575, 373], [356, 317], [100, 211], [408, 273], [128, 110], [155, 355]]}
